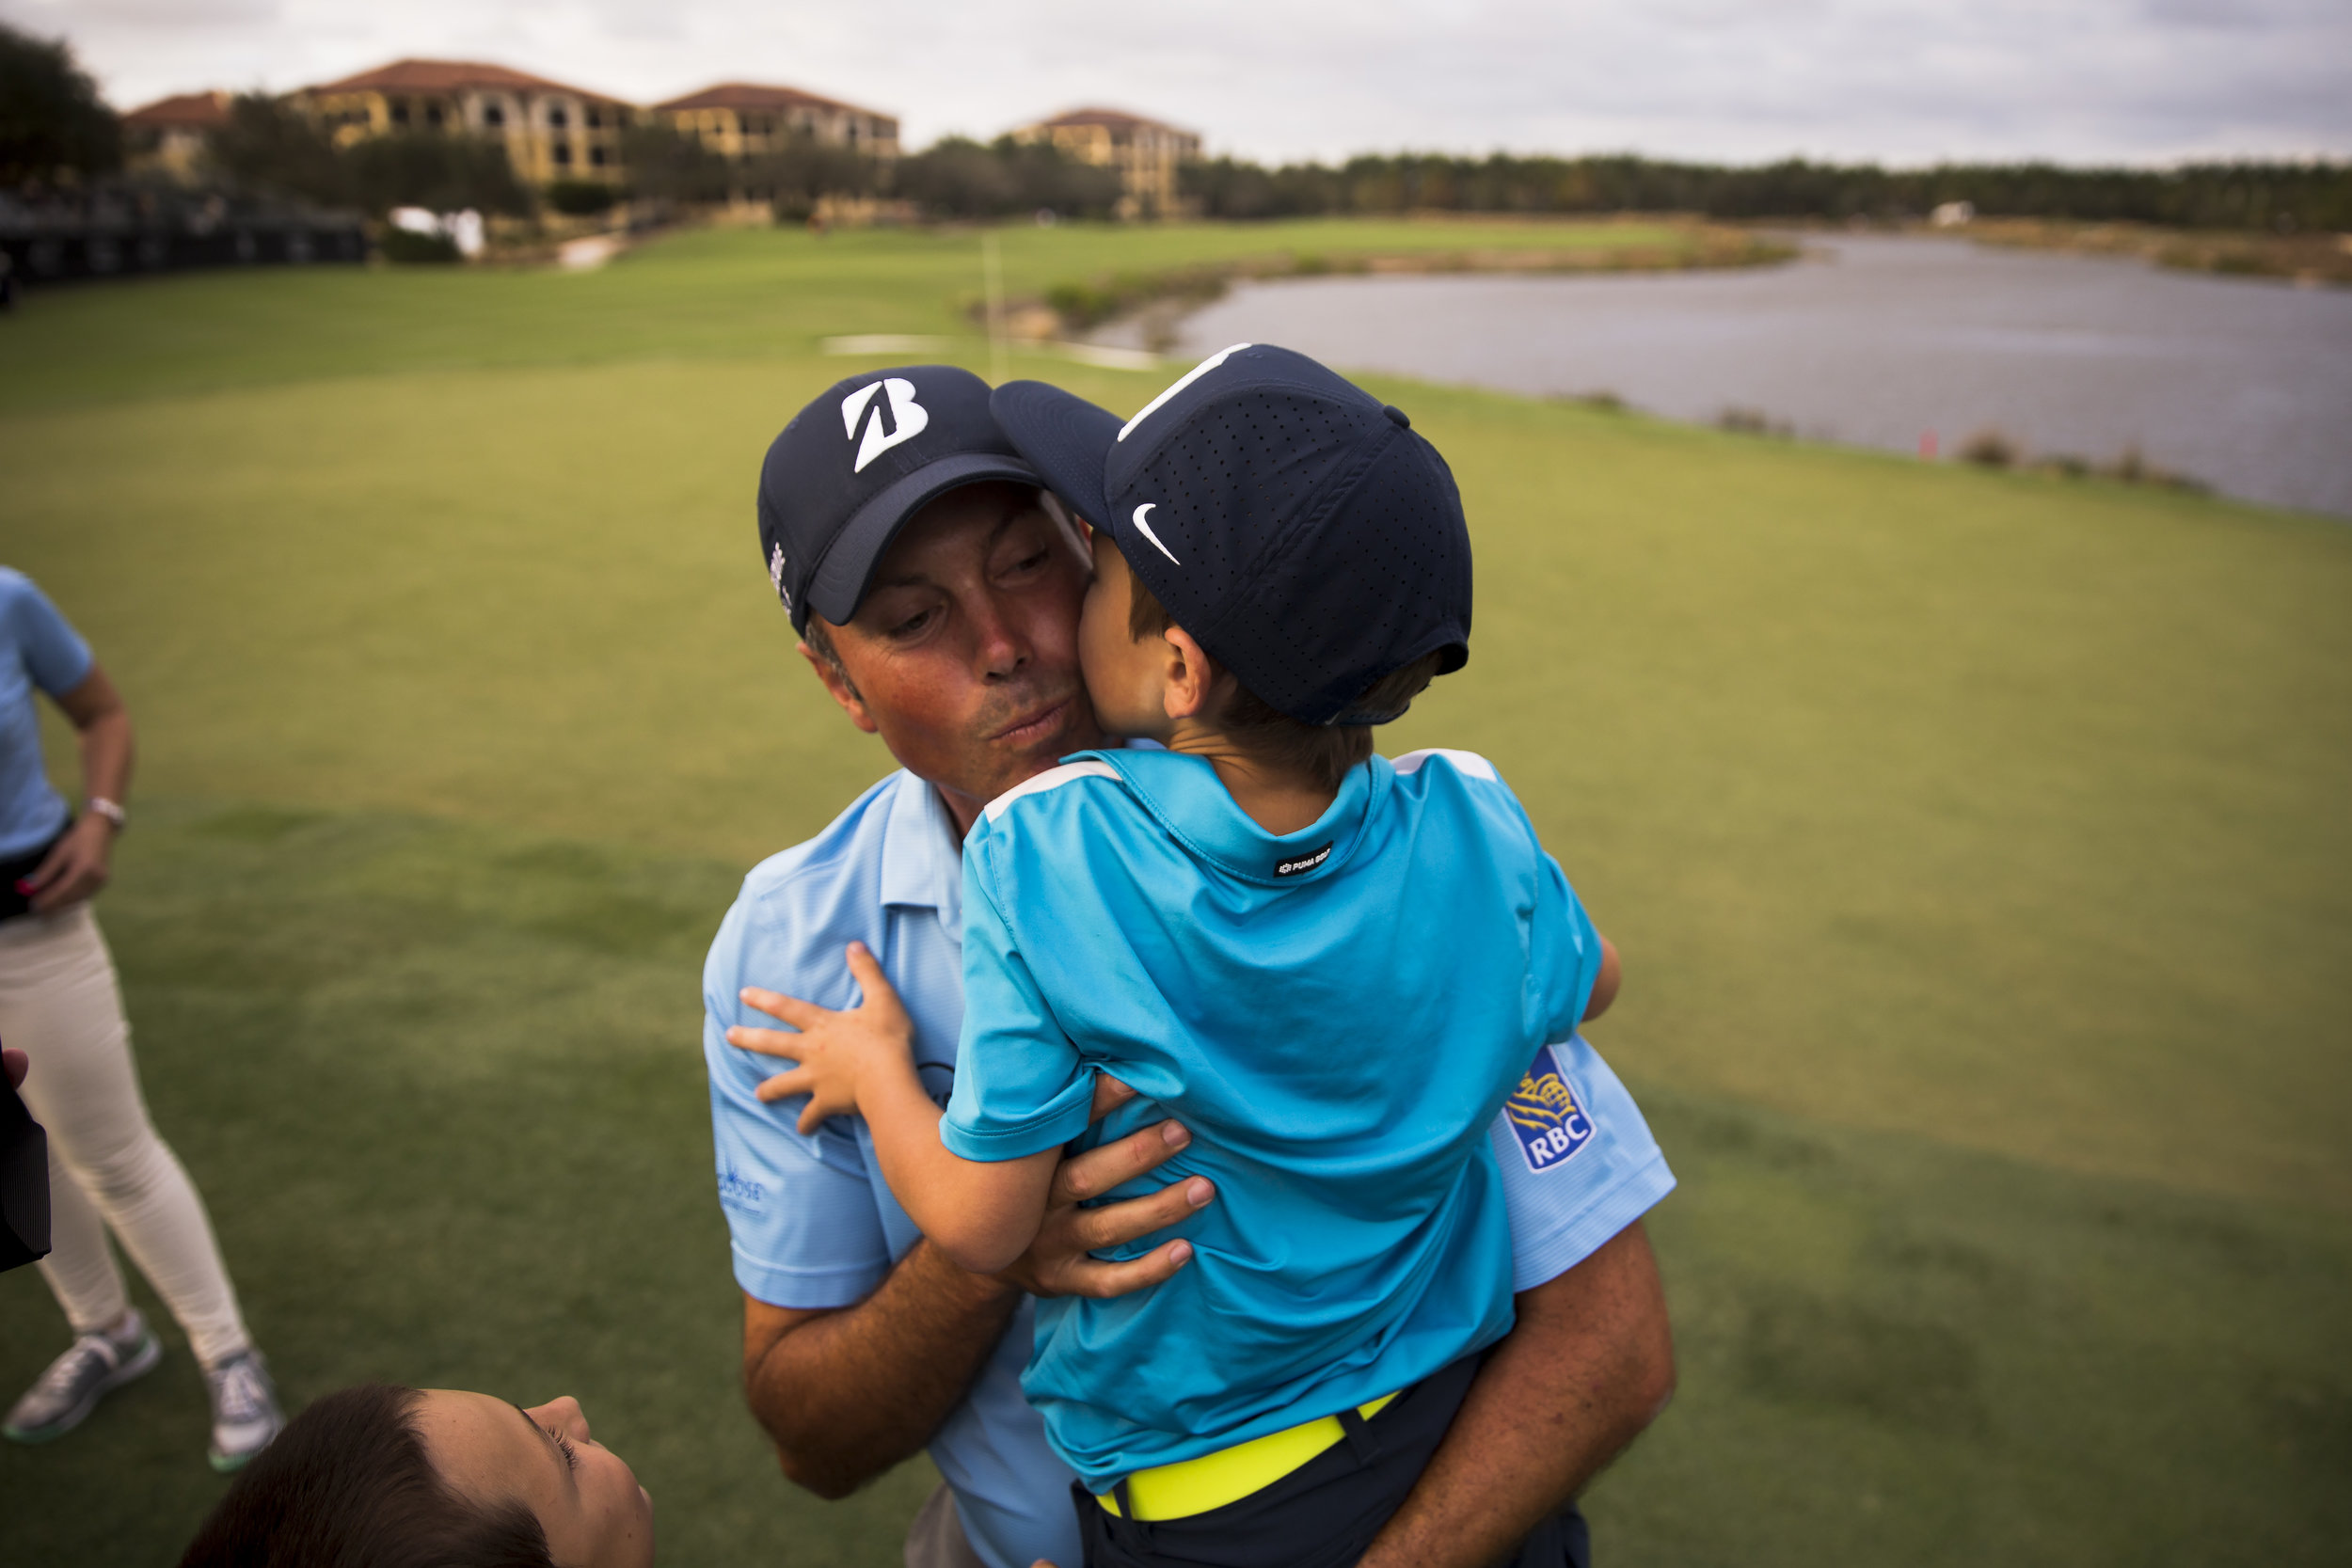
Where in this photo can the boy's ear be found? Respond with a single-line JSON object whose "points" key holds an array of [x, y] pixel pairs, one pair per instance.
{"points": [[1191, 676]]}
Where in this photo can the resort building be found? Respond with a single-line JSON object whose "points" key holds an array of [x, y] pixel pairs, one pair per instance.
{"points": [[740, 120], [1146, 153], [552, 131], [170, 133]]}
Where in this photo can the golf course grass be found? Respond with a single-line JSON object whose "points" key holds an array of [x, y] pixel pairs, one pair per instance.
{"points": [[1976, 844]]}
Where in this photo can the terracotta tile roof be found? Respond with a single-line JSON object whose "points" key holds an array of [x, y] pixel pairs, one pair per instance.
{"points": [[181, 111], [1115, 119], [751, 95], [451, 76]]}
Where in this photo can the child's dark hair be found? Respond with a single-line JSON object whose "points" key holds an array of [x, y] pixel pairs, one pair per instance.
{"points": [[348, 1484], [1324, 752]]}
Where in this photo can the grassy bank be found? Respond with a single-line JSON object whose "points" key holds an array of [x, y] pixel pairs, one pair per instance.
{"points": [[1975, 841], [703, 295], [2304, 258]]}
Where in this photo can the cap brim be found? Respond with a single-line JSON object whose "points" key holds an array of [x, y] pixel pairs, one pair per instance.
{"points": [[1068, 439], [848, 570]]}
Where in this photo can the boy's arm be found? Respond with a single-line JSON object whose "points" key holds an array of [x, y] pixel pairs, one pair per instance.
{"points": [[982, 1214], [1605, 983]]}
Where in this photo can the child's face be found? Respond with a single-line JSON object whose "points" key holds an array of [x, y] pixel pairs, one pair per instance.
{"points": [[1127, 678]]}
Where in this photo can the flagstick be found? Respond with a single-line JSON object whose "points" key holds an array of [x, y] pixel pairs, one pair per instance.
{"points": [[992, 271]]}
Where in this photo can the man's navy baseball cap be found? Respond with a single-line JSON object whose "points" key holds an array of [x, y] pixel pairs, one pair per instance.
{"points": [[1285, 517], [852, 466]]}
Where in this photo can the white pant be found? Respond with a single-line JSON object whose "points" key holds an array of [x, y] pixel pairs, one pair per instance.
{"points": [[60, 1006]]}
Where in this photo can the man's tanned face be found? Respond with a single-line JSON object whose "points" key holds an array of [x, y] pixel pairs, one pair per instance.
{"points": [[964, 656]]}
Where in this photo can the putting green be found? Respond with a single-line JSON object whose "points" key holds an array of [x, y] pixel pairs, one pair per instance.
{"points": [[1975, 841]]}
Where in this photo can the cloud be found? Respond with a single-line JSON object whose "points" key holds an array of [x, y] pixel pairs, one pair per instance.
{"points": [[1903, 80]]}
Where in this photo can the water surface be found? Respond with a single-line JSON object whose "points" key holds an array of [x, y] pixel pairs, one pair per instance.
{"points": [[1878, 340]]}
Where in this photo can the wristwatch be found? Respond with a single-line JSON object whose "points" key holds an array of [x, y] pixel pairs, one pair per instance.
{"points": [[111, 810]]}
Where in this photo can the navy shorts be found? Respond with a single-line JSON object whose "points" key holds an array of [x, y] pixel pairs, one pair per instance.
{"points": [[1325, 1514]]}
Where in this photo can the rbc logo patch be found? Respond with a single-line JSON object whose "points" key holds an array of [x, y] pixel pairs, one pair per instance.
{"points": [[1544, 1112]]}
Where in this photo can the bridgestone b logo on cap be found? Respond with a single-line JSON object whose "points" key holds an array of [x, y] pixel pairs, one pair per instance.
{"points": [[1304, 864], [907, 418]]}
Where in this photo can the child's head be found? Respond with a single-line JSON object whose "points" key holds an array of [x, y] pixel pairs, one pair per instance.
{"points": [[1144, 671], [1266, 531]]}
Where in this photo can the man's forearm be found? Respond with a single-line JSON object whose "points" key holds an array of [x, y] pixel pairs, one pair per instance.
{"points": [[847, 1394], [1588, 1365]]}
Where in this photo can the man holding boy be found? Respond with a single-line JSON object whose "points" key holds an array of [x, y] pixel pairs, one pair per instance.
{"points": [[938, 602]]}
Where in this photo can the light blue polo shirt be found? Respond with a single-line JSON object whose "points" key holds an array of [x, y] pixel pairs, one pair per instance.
{"points": [[1337, 1013], [39, 651], [813, 1225]]}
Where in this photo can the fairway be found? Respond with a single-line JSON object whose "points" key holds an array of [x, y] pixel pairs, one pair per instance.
{"points": [[1975, 842]]}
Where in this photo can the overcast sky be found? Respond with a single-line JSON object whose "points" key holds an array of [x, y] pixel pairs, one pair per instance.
{"points": [[1903, 81]]}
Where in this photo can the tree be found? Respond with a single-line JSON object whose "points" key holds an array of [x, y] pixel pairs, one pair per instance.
{"points": [[808, 170], [268, 146], [435, 171], [52, 120], [668, 164], [959, 178]]}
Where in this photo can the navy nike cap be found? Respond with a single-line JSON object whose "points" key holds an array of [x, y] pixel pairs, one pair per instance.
{"points": [[854, 465], [1288, 519]]}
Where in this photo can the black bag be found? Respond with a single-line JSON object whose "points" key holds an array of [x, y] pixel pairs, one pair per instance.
{"points": [[23, 1185]]}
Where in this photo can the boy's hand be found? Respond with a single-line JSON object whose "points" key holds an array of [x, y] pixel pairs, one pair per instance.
{"points": [[834, 1049]]}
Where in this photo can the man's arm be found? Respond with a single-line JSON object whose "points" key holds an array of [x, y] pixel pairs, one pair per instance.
{"points": [[1588, 1364], [848, 1393]]}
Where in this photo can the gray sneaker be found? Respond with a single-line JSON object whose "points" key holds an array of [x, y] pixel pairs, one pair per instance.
{"points": [[62, 1397], [245, 1409]]}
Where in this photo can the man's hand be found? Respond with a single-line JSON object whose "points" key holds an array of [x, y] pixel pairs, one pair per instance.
{"points": [[1588, 1365], [74, 870], [16, 1065], [834, 1049], [1057, 1264]]}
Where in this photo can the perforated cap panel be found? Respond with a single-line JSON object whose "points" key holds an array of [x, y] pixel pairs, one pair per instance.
{"points": [[1301, 531]]}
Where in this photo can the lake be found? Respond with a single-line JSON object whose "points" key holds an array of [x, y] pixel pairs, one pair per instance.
{"points": [[1881, 341]]}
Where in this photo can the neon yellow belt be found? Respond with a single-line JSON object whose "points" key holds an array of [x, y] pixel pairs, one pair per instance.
{"points": [[1192, 1486]]}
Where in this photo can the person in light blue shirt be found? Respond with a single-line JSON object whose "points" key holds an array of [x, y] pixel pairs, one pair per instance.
{"points": [[39, 653], [950, 632]]}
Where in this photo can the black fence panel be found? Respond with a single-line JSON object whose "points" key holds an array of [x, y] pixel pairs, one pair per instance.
{"points": [[51, 238]]}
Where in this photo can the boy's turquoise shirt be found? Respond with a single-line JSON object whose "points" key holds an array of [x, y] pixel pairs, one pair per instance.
{"points": [[1337, 1014]]}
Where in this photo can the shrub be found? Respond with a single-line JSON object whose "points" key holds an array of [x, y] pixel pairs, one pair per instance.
{"points": [[582, 198], [406, 246], [1752, 421], [1988, 449]]}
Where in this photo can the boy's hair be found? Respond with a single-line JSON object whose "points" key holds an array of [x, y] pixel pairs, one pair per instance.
{"points": [[1324, 752]]}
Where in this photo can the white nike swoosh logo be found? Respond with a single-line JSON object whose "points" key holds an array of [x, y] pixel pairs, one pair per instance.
{"points": [[1145, 528]]}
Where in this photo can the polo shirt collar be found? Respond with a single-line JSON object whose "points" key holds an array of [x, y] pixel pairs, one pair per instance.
{"points": [[922, 860], [1187, 796]]}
